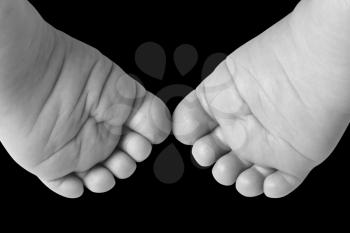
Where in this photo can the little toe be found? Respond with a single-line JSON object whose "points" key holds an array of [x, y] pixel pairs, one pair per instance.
{"points": [[209, 148], [280, 184], [121, 165], [69, 186], [151, 119], [227, 169], [98, 179], [137, 146], [250, 183], [190, 120]]}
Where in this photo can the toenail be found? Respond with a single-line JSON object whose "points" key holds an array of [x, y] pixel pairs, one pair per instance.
{"points": [[226, 104]]}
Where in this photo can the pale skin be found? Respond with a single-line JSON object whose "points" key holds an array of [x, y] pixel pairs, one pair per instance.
{"points": [[270, 113], [277, 106], [69, 115]]}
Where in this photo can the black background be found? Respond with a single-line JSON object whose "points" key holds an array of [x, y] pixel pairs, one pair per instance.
{"points": [[117, 30]]}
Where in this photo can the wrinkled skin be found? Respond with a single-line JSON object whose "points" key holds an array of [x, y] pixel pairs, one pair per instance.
{"points": [[277, 106], [65, 108]]}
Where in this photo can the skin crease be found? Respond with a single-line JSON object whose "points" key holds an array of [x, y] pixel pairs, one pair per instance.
{"points": [[65, 108], [275, 54], [56, 93], [69, 115], [288, 106]]}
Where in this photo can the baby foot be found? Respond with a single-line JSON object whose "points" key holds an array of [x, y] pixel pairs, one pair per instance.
{"points": [[69, 115], [277, 106]]}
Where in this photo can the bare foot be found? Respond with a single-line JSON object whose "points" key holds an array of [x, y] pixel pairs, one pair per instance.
{"points": [[277, 106], [68, 114]]}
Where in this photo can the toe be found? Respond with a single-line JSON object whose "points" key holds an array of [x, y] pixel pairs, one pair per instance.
{"points": [[250, 183], [151, 119], [227, 169], [137, 146], [121, 165], [209, 148], [69, 186], [98, 180], [190, 120], [280, 184]]}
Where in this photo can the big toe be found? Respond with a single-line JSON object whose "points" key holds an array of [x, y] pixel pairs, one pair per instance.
{"points": [[151, 118], [190, 120]]}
